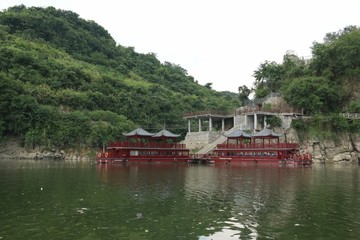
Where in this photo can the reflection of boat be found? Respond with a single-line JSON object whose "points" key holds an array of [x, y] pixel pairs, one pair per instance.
{"points": [[142, 146], [261, 147]]}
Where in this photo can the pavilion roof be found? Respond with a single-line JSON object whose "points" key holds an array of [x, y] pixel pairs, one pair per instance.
{"points": [[139, 132], [166, 133], [238, 134], [266, 133]]}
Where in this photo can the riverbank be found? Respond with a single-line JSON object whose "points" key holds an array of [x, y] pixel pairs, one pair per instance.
{"points": [[11, 148], [346, 149]]}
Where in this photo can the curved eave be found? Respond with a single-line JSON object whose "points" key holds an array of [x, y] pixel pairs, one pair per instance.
{"points": [[139, 132], [166, 134]]}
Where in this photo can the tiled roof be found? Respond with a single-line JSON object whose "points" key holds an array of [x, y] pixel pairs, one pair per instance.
{"points": [[166, 133], [238, 134], [266, 133], [139, 132]]}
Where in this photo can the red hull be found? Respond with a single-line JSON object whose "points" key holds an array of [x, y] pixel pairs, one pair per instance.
{"points": [[239, 160], [249, 161], [298, 162], [142, 160]]}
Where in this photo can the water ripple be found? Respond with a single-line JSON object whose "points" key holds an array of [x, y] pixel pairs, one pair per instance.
{"points": [[178, 202]]}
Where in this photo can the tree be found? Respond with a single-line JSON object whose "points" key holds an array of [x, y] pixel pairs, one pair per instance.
{"points": [[274, 121], [244, 93], [338, 59], [20, 118], [208, 85], [314, 94], [269, 74], [273, 76], [354, 106], [59, 72]]}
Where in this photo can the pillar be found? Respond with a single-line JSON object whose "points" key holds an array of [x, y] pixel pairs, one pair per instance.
{"points": [[223, 125], [210, 124], [200, 125], [189, 125], [264, 121], [255, 121]]}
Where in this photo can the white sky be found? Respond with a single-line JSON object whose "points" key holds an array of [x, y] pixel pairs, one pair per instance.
{"points": [[217, 41]]}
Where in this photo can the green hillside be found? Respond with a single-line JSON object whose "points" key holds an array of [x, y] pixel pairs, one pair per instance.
{"points": [[323, 86], [65, 82], [327, 82]]}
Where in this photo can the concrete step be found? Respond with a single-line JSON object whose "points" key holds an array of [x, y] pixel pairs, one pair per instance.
{"points": [[221, 139]]}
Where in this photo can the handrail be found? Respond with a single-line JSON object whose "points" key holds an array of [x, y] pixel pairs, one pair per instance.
{"points": [[242, 110], [350, 115], [271, 110], [209, 112], [148, 145], [225, 146]]}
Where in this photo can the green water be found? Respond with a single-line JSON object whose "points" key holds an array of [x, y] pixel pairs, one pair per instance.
{"points": [[68, 200]]}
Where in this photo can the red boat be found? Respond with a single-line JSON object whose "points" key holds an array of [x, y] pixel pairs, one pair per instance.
{"points": [[257, 148], [142, 146]]}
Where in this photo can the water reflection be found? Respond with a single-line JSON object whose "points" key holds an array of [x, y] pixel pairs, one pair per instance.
{"points": [[70, 200], [243, 194]]}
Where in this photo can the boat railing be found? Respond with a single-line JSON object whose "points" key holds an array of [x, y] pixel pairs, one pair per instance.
{"points": [[148, 145], [257, 146]]}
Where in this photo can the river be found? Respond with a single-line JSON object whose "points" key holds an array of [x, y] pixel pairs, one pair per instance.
{"points": [[83, 200]]}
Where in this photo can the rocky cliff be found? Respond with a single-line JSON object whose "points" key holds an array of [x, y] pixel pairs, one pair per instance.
{"points": [[11, 149], [345, 149]]}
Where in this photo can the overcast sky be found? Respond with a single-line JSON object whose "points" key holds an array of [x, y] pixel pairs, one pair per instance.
{"points": [[220, 42]]}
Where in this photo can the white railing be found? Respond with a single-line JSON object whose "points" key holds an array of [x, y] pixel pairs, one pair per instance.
{"points": [[350, 115]]}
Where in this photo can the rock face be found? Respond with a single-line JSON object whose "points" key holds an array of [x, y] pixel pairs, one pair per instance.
{"points": [[345, 149], [12, 149]]}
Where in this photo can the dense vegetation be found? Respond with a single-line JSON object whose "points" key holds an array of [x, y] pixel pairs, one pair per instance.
{"points": [[328, 82], [325, 85], [65, 82]]}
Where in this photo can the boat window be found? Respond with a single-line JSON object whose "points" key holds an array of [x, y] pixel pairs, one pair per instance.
{"points": [[272, 154], [134, 153]]}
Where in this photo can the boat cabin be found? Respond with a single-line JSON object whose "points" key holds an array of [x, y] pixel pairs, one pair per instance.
{"points": [[263, 146], [143, 146]]}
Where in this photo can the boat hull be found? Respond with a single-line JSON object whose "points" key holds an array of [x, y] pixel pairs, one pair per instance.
{"points": [[239, 160], [249, 161], [142, 160], [298, 162]]}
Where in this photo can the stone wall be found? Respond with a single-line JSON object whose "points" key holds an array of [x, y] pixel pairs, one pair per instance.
{"points": [[240, 121], [196, 140], [286, 120]]}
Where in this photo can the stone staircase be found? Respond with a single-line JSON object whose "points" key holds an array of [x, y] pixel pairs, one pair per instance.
{"points": [[221, 139]]}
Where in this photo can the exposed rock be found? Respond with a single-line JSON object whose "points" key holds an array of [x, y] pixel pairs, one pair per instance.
{"points": [[342, 157], [12, 149], [343, 150]]}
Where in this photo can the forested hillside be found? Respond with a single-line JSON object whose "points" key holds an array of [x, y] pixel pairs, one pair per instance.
{"points": [[327, 82], [323, 86], [65, 82]]}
